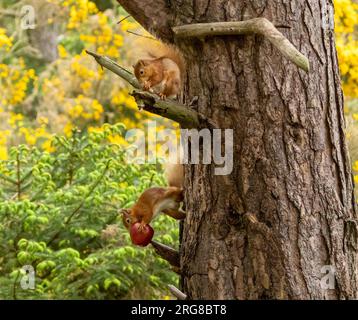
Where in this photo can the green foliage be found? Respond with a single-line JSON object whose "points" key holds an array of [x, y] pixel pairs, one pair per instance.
{"points": [[59, 213]]}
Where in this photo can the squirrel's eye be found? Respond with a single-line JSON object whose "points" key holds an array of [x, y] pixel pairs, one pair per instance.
{"points": [[141, 72], [128, 220]]}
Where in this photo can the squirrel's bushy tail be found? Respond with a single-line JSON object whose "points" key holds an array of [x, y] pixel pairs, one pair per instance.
{"points": [[174, 173], [157, 49], [174, 169]]}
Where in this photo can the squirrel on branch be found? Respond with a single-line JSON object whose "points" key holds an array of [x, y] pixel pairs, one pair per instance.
{"points": [[162, 72]]}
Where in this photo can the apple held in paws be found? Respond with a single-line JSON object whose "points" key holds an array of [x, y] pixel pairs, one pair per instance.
{"points": [[141, 237]]}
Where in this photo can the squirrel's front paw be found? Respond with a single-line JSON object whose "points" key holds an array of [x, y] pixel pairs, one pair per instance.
{"points": [[146, 85], [141, 227]]}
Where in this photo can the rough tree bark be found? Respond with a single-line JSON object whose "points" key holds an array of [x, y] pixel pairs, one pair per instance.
{"points": [[288, 208]]}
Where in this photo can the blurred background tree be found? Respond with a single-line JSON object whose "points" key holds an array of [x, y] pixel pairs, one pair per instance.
{"points": [[49, 87]]}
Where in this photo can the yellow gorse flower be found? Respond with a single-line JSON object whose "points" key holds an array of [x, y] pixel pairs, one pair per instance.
{"points": [[346, 17], [80, 10], [5, 41], [62, 51], [355, 166], [14, 84]]}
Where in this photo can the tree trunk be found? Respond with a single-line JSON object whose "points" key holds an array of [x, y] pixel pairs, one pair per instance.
{"points": [[288, 208], [44, 36]]}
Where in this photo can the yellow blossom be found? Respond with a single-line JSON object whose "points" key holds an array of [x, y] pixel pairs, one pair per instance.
{"points": [[5, 41], [355, 166], [117, 139], [119, 98], [68, 129], [130, 102], [3, 153], [62, 51], [48, 146], [76, 111], [42, 120], [346, 17], [95, 129], [15, 119], [85, 85], [118, 40]]}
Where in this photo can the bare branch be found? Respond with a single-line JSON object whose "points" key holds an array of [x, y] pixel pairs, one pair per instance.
{"points": [[167, 253], [115, 68], [177, 293], [260, 26], [5, 12], [154, 16], [142, 35], [125, 18], [170, 109]]}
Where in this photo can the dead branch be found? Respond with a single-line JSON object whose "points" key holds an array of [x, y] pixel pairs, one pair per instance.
{"points": [[115, 68], [177, 293], [142, 35], [125, 18], [6, 12], [170, 109], [260, 26], [167, 253]]}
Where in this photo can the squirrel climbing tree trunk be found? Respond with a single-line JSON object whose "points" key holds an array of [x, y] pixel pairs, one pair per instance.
{"points": [[286, 214]]}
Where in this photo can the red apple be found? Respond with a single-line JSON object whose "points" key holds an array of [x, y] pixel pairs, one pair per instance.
{"points": [[141, 237]]}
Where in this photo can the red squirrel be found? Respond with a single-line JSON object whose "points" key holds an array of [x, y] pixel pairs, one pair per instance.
{"points": [[163, 72], [158, 199]]}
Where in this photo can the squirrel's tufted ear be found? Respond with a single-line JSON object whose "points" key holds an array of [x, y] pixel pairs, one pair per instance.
{"points": [[125, 211], [140, 63]]}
